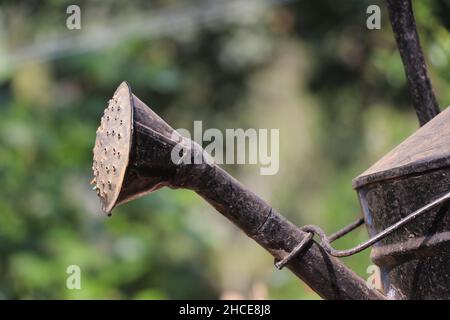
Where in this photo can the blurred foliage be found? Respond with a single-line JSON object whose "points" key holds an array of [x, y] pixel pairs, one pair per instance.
{"points": [[311, 68]]}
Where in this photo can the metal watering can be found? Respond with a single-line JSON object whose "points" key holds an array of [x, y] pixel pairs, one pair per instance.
{"points": [[403, 199]]}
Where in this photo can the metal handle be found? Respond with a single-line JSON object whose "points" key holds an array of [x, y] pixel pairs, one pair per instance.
{"points": [[326, 241]]}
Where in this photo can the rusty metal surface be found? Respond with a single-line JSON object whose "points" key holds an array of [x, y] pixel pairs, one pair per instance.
{"points": [[150, 167], [415, 259]]}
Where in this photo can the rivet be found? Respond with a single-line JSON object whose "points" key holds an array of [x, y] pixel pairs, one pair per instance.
{"points": [[114, 169], [118, 135], [121, 122]]}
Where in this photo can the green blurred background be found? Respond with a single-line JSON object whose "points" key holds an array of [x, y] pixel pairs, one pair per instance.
{"points": [[335, 89]]}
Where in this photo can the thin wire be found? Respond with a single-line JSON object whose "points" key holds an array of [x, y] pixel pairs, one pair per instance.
{"points": [[280, 264], [326, 241], [352, 226]]}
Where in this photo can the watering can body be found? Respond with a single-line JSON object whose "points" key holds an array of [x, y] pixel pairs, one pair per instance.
{"points": [[414, 260]]}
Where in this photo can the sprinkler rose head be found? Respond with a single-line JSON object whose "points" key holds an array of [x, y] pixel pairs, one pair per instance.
{"points": [[133, 151], [112, 147]]}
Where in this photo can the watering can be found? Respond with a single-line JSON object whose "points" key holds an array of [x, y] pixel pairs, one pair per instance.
{"points": [[403, 199]]}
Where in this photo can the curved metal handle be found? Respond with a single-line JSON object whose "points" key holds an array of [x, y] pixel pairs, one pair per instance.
{"points": [[326, 241]]}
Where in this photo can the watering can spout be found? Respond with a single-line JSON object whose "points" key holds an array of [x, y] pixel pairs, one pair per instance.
{"points": [[136, 152]]}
